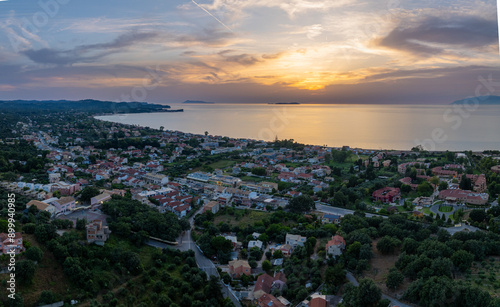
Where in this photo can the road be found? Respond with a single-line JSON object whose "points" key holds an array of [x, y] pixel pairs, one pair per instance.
{"points": [[186, 243]]}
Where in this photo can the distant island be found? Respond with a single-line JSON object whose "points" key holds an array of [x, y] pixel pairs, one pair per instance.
{"points": [[284, 103], [87, 105], [481, 100], [197, 101]]}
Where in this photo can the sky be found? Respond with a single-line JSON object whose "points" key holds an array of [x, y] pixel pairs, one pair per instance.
{"points": [[249, 51]]}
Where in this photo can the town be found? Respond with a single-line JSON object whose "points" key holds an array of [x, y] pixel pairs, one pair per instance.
{"points": [[267, 223]]}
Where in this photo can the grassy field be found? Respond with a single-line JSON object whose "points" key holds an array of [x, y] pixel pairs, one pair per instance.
{"points": [[241, 217], [49, 275], [427, 211], [253, 179], [379, 269], [222, 164], [445, 209], [486, 275]]}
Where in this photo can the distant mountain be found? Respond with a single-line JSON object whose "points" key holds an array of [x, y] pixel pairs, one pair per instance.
{"points": [[196, 101], [284, 103], [88, 105], [481, 100]]}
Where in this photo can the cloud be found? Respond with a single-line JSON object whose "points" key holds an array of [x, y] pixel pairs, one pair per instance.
{"points": [[291, 7], [433, 35], [242, 59], [86, 53], [211, 37]]}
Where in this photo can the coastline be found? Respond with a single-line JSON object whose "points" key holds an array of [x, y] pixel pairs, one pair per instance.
{"points": [[359, 149]]}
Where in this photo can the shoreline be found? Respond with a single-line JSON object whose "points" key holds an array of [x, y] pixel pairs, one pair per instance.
{"points": [[243, 138]]}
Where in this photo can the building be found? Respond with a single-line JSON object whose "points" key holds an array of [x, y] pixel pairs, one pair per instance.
{"points": [[156, 178], [330, 218], [212, 206], [318, 301], [15, 243], [335, 246], [99, 199], [263, 285], [387, 195], [237, 268], [422, 201], [295, 240], [42, 206], [256, 243], [496, 169], [268, 300], [96, 233], [64, 205], [464, 196]]}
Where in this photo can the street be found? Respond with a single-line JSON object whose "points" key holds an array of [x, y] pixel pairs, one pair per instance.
{"points": [[186, 243]]}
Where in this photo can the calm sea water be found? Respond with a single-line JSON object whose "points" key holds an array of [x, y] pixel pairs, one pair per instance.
{"points": [[366, 126]]}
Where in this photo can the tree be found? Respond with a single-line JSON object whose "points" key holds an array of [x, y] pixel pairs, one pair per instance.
{"points": [[369, 293], [25, 271], [443, 185], [34, 253], [266, 265], [335, 275], [465, 183], [301, 204], [394, 279], [259, 171], [47, 297], [81, 223], [387, 244], [366, 294], [462, 259], [478, 215], [88, 193], [45, 232], [425, 188]]}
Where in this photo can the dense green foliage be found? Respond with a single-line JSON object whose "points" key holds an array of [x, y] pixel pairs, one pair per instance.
{"points": [[130, 215]]}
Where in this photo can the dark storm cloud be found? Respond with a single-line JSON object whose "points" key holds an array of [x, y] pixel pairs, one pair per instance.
{"points": [[86, 53], [458, 31]]}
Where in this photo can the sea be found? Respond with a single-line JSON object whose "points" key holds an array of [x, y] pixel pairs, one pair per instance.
{"points": [[398, 127]]}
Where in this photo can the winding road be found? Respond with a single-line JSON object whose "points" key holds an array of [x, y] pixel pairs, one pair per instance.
{"points": [[186, 243]]}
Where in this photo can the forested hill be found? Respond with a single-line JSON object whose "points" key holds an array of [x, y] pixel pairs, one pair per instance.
{"points": [[88, 105]]}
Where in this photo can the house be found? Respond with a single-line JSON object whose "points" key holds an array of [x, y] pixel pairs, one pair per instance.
{"points": [[233, 240], [318, 302], [263, 285], [330, 218], [212, 206], [286, 249], [463, 196], [335, 246], [387, 195], [422, 201], [96, 233], [237, 268], [279, 281], [156, 178], [255, 243], [11, 243], [295, 240], [42, 206], [268, 300], [266, 283], [65, 205]]}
